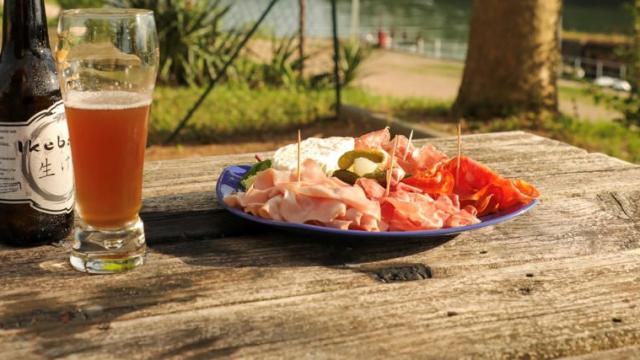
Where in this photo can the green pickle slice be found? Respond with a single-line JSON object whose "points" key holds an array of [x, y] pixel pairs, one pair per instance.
{"points": [[350, 177], [378, 175], [346, 176], [346, 173], [347, 159]]}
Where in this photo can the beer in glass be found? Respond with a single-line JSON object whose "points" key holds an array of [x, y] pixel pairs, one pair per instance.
{"points": [[107, 63]]}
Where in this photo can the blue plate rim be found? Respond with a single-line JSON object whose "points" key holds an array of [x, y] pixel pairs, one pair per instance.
{"points": [[235, 172]]}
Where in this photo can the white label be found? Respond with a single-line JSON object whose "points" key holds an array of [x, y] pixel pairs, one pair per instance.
{"points": [[35, 162]]}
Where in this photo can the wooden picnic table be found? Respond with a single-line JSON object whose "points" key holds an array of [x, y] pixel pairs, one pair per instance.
{"points": [[562, 280]]}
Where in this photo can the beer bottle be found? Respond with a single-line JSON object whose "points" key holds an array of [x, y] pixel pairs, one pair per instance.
{"points": [[36, 176]]}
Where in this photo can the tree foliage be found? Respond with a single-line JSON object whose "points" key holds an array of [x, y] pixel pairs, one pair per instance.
{"points": [[193, 46], [74, 4]]}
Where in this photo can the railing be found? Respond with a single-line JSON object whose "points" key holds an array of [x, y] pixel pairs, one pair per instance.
{"points": [[455, 50], [595, 68]]}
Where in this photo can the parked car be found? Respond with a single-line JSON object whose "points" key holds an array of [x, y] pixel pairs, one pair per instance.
{"points": [[621, 85], [604, 81], [613, 83]]}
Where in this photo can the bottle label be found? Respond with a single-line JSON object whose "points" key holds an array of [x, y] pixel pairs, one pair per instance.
{"points": [[35, 162]]}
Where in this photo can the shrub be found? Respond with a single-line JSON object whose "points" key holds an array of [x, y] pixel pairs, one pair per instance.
{"points": [[193, 48], [74, 4], [352, 55]]}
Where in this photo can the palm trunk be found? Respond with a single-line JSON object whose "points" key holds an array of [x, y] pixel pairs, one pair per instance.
{"points": [[635, 52], [303, 15]]}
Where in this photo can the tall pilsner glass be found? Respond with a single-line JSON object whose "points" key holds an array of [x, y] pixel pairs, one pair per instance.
{"points": [[107, 64]]}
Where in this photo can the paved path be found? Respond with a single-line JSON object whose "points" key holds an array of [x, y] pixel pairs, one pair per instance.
{"points": [[407, 75]]}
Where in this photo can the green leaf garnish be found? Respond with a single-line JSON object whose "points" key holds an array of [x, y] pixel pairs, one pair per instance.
{"points": [[250, 176]]}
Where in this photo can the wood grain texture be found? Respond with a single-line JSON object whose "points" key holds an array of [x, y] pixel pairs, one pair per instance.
{"points": [[562, 280]]}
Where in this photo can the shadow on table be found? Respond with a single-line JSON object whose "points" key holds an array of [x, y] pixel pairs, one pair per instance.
{"points": [[56, 325], [268, 248]]}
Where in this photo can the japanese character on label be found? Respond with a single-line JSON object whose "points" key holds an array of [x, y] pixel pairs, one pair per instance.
{"points": [[45, 169]]}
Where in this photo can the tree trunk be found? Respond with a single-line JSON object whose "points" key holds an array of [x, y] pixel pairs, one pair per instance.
{"points": [[303, 15], [512, 59]]}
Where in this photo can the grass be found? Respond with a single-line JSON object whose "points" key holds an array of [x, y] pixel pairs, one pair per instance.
{"points": [[232, 112], [410, 108], [444, 68], [574, 92], [609, 137], [606, 136], [235, 111]]}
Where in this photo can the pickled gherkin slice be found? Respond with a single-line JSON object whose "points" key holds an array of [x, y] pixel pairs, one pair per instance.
{"points": [[366, 163], [347, 159], [378, 175], [346, 176], [350, 177]]}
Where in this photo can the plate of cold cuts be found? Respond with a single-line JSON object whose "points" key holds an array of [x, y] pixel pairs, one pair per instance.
{"points": [[372, 186], [280, 200]]}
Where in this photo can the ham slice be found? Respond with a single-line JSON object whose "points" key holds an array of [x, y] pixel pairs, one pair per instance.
{"points": [[407, 209], [425, 158], [373, 140], [316, 199]]}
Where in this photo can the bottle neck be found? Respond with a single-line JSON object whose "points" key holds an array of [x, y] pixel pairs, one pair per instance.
{"points": [[24, 27]]}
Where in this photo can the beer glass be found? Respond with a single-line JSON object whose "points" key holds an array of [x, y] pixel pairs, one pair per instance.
{"points": [[107, 63]]}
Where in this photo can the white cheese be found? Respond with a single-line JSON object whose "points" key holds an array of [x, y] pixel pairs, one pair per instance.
{"points": [[325, 151], [363, 166]]}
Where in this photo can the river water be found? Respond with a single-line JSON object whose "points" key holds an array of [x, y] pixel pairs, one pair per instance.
{"points": [[447, 20]]}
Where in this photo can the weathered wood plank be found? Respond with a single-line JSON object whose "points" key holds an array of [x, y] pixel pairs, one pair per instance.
{"points": [[544, 233], [183, 176], [184, 214], [551, 283], [626, 353], [182, 187], [571, 307]]}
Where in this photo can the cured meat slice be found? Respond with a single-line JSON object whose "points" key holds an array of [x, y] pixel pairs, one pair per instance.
{"points": [[438, 181], [425, 158], [408, 209], [316, 199], [373, 140], [476, 185], [488, 192]]}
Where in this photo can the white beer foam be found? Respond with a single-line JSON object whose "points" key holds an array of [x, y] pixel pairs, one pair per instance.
{"points": [[106, 100]]}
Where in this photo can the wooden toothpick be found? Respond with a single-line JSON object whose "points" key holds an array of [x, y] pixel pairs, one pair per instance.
{"points": [[390, 171], [406, 150], [459, 150], [299, 156]]}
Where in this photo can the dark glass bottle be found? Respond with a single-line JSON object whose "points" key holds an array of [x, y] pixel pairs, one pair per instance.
{"points": [[36, 178]]}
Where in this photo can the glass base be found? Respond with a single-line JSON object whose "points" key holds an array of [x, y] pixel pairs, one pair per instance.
{"points": [[100, 251]]}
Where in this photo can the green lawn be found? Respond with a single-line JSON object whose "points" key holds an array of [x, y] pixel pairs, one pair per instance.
{"points": [[409, 109], [234, 110], [608, 137], [605, 136], [231, 111]]}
